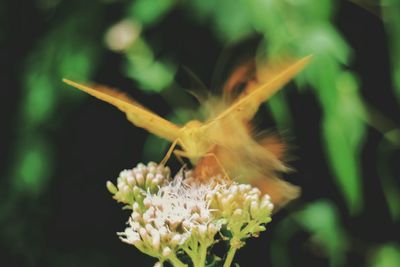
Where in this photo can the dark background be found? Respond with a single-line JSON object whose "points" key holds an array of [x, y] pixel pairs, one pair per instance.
{"points": [[72, 220]]}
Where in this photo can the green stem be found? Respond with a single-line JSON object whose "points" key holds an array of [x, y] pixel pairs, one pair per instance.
{"points": [[189, 252], [192, 251], [176, 262], [229, 256], [203, 255], [199, 255]]}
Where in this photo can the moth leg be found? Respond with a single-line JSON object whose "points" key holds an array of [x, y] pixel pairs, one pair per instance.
{"points": [[170, 150], [179, 154], [219, 163]]}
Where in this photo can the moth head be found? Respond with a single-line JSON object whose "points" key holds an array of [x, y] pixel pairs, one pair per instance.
{"points": [[194, 140]]}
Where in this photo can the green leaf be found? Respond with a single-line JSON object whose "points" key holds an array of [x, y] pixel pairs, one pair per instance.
{"points": [[391, 19], [344, 131], [151, 74], [230, 20], [39, 100], [390, 188], [321, 219], [153, 77], [33, 167], [386, 256], [280, 111], [343, 125], [149, 12], [344, 162]]}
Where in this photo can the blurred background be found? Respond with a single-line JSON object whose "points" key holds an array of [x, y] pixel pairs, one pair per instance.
{"points": [[340, 117]]}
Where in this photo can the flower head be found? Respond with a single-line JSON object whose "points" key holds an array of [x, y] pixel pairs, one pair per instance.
{"points": [[173, 217], [244, 210], [134, 184], [183, 215]]}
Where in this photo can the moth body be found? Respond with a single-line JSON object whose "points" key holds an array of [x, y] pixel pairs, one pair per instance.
{"points": [[194, 141]]}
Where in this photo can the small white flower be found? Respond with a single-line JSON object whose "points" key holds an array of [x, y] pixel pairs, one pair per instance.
{"points": [[133, 185]]}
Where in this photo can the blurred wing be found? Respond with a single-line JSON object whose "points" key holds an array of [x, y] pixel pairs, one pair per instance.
{"points": [[240, 78], [248, 103], [241, 156], [135, 112], [254, 165], [280, 191]]}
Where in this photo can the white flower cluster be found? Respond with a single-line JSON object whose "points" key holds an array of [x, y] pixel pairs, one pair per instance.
{"points": [[244, 210], [173, 218], [183, 216], [133, 185]]}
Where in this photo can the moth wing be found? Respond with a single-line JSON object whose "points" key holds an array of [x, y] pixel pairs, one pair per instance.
{"points": [[241, 77], [250, 163], [135, 112], [240, 155], [247, 104]]}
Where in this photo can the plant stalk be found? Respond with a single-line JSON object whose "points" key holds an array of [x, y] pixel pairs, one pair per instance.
{"points": [[230, 256], [176, 262]]}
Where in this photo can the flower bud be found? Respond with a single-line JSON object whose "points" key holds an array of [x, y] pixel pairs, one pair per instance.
{"points": [[149, 179], [202, 229], [237, 212], [254, 208], [111, 188], [139, 179], [155, 242], [176, 240], [149, 228], [136, 216], [143, 233], [166, 252], [135, 206], [125, 189], [131, 180]]}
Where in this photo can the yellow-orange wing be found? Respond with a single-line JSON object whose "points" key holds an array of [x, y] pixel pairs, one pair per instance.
{"points": [[135, 113], [241, 156], [247, 104]]}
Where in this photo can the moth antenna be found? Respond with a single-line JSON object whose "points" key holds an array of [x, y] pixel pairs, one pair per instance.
{"points": [[222, 60], [197, 85]]}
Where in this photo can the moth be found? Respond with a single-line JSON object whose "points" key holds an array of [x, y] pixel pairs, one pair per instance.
{"points": [[223, 143]]}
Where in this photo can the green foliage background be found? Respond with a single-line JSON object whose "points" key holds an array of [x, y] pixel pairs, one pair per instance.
{"points": [[74, 39]]}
